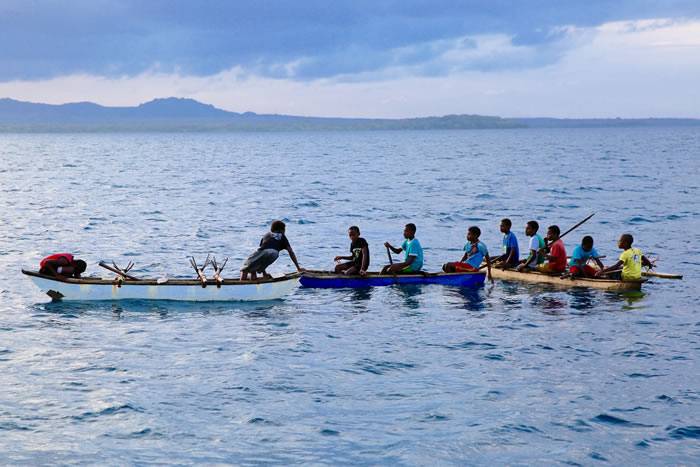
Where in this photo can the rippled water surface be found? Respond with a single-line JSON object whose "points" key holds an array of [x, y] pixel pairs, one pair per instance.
{"points": [[509, 373]]}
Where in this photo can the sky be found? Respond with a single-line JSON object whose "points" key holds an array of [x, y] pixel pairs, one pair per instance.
{"points": [[360, 58]]}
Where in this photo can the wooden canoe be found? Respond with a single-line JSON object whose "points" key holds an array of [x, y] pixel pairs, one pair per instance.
{"points": [[93, 288], [331, 280], [538, 277]]}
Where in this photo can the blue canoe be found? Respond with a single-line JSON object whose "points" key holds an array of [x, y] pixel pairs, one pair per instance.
{"points": [[331, 280]]}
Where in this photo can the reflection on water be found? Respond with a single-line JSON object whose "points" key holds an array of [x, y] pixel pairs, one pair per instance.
{"points": [[410, 294], [582, 299], [630, 299], [472, 299]]}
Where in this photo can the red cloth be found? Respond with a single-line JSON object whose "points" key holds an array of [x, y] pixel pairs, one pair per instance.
{"points": [[56, 257], [463, 267], [558, 254], [588, 271]]}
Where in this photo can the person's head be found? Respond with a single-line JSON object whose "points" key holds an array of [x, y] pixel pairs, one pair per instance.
{"points": [[277, 227], [79, 267], [625, 241], [587, 243], [409, 231], [553, 233], [531, 228], [354, 232], [506, 224], [473, 233]]}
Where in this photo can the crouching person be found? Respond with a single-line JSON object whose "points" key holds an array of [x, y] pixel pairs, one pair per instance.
{"points": [[62, 265], [270, 246]]}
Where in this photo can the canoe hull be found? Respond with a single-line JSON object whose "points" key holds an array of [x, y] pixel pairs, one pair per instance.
{"points": [[537, 277], [329, 280], [76, 290]]}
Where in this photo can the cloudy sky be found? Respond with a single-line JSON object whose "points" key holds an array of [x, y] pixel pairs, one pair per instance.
{"points": [[365, 58]]}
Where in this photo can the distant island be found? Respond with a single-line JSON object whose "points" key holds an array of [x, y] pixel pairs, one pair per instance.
{"points": [[182, 115]]}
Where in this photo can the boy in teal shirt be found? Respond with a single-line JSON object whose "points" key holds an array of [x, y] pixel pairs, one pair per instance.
{"points": [[413, 253]]}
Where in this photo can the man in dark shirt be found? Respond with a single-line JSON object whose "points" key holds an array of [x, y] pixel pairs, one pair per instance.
{"points": [[270, 246], [359, 255]]}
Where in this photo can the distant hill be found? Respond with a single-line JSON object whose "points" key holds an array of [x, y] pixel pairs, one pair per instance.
{"points": [[178, 114]]}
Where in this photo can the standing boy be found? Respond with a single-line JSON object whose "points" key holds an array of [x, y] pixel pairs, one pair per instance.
{"points": [[359, 255], [631, 261], [474, 254], [413, 253], [270, 246]]}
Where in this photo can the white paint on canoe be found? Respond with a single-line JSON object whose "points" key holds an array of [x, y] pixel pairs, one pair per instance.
{"points": [[270, 290]]}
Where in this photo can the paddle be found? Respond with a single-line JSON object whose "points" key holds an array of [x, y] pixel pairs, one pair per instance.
{"points": [[577, 225], [388, 253]]}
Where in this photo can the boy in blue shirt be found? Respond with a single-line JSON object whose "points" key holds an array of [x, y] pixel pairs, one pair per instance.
{"points": [[511, 253], [475, 252], [578, 264], [413, 256]]}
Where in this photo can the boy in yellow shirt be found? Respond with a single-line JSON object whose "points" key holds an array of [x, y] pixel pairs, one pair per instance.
{"points": [[631, 261]]}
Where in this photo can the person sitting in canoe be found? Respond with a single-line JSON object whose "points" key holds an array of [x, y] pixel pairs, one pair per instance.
{"points": [[413, 254], [556, 258], [511, 253], [475, 252], [62, 265], [358, 261], [536, 248], [578, 264], [629, 265], [270, 246]]}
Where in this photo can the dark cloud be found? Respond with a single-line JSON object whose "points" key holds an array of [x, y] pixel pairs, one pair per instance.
{"points": [[45, 38]]}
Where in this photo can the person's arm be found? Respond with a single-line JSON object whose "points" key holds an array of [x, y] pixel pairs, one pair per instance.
{"points": [[599, 263], [338, 258], [464, 257], [392, 248], [646, 263], [49, 265], [509, 256], [294, 258], [365, 260], [614, 267], [533, 257]]}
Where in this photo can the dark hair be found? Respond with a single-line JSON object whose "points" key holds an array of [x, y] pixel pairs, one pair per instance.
{"points": [[507, 222], [534, 225], [628, 238], [355, 228], [555, 229], [587, 240], [412, 227], [277, 226], [80, 266], [475, 230]]}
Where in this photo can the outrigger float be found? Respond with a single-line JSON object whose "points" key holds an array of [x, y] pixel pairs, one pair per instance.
{"points": [[127, 287], [331, 280]]}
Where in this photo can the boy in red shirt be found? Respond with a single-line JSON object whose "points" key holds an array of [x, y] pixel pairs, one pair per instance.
{"points": [[556, 259], [62, 264]]}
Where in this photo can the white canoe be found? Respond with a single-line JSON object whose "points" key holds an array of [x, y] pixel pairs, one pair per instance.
{"points": [[538, 277], [173, 289]]}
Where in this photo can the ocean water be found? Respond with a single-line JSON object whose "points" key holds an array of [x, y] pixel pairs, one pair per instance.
{"points": [[506, 374]]}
